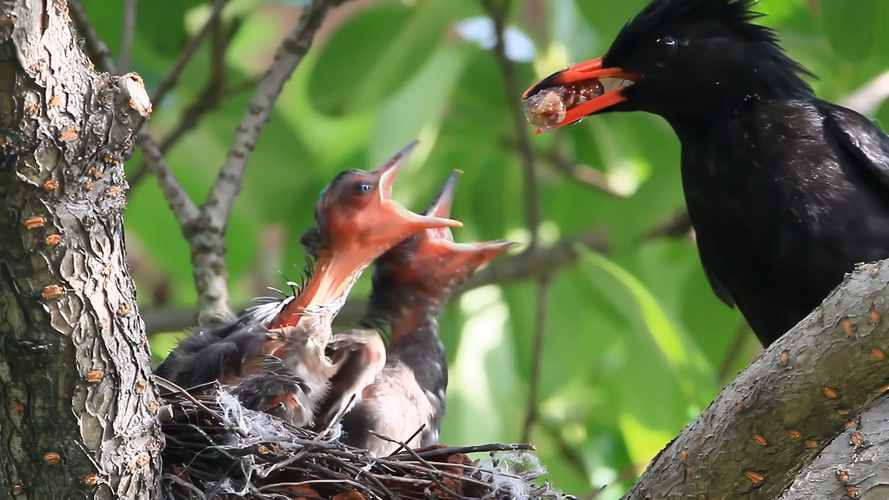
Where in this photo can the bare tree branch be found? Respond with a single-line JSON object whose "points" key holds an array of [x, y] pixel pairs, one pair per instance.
{"points": [[207, 99], [498, 12], [191, 47], [98, 50], [788, 404], [289, 54], [183, 207], [533, 411], [130, 8], [205, 230], [546, 260]]}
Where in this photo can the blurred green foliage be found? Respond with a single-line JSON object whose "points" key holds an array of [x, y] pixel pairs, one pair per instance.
{"points": [[636, 342]]}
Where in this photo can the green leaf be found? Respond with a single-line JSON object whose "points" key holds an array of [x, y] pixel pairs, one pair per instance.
{"points": [[375, 52], [677, 349], [851, 29]]}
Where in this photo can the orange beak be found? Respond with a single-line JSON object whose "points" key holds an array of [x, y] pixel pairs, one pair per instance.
{"points": [[388, 221], [454, 259], [587, 71], [356, 238]]}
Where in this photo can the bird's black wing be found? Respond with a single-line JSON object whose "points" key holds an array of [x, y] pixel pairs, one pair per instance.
{"points": [[860, 138], [718, 288]]}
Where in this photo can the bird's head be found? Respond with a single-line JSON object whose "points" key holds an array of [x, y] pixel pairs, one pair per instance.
{"points": [[356, 213], [681, 59], [429, 263], [356, 220]]}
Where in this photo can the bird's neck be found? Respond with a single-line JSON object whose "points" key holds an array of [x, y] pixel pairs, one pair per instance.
{"points": [[404, 312], [325, 291]]}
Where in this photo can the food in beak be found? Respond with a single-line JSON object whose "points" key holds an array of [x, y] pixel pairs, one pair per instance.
{"points": [[548, 107]]}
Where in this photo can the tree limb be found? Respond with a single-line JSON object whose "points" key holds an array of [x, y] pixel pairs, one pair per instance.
{"points": [[787, 405], [287, 57], [546, 260], [532, 412], [853, 465], [130, 8], [191, 47], [498, 12], [205, 229]]}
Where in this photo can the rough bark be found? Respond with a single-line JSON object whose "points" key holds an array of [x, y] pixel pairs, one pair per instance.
{"points": [[788, 405], [853, 465], [79, 412]]}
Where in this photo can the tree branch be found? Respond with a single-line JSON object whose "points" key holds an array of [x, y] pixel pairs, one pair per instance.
{"points": [[498, 14], [98, 50], [533, 411], [130, 8], [544, 261], [788, 404], [207, 234], [853, 465], [204, 227], [207, 99], [183, 207], [191, 47]]}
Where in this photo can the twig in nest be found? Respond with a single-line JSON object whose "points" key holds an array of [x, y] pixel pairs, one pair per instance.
{"points": [[217, 448]]}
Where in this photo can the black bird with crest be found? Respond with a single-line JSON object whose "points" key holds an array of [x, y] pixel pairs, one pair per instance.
{"points": [[786, 192]]}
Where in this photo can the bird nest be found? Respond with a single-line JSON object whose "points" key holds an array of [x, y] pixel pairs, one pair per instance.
{"points": [[216, 448]]}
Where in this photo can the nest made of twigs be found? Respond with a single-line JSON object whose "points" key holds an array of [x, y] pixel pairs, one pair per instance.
{"points": [[215, 448]]}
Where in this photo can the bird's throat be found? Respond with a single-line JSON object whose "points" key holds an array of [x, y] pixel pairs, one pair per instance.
{"points": [[326, 290]]}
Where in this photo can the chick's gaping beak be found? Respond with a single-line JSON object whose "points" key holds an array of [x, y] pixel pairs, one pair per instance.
{"points": [[389, 220], [610, 80], [458, 258], [356, 238]]}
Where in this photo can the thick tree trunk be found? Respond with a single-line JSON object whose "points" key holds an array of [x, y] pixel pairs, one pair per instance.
{"points": [[79, 409]]}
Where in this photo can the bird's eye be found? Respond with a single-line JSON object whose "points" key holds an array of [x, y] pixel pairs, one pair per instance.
{"points": [[363, 187], [667, 41]]}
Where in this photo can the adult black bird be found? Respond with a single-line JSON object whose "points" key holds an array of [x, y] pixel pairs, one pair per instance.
{"points": [[786, 191], [275, 351], [412, 282]]}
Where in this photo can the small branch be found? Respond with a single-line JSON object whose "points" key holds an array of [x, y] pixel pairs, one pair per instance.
{"points": [[533, 411], [206, 101], [780, 412], [537, 263], [546, 260], [677, 225], [498, 15], [288, 56], [583, 174], [130, 8], [183, 207], [98, 50], [187, 53]]}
